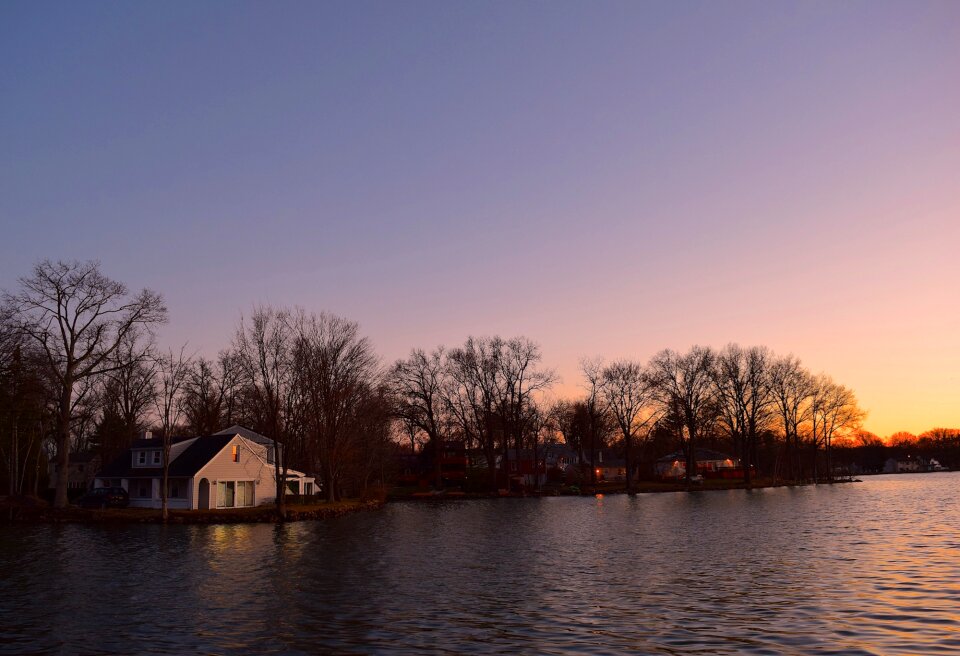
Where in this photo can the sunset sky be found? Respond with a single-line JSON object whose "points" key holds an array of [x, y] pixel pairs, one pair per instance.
{"points": [[606, 178]]}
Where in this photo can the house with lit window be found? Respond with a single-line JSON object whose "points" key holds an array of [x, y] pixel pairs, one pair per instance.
{"points": [[710, 464], [231, 469]]}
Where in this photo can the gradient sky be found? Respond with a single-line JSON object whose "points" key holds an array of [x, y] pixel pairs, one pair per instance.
{"points": [[606, 178]]}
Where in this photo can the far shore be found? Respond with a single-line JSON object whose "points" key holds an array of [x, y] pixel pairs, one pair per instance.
{"points": [[640, 487], [28, 510], [16, 511]]}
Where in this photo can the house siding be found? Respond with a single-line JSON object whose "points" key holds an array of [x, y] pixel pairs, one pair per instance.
{"points": [[253, 466]]}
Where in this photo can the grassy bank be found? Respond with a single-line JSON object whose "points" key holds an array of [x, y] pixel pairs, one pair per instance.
{"points": [[18, 511]]}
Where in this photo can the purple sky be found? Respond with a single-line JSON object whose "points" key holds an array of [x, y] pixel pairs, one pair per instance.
{"points": [[605, 178]]}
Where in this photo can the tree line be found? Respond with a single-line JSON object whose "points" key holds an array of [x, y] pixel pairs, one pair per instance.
{"points": [[486, 393], [80, 370]]}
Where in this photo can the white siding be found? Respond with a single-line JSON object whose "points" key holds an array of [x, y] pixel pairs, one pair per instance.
{"points": [[253, 466]]}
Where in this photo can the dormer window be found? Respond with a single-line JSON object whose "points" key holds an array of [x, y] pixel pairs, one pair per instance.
{"points": [[156, 457]]}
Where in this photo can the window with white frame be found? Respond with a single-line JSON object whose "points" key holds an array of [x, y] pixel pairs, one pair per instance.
{"points": [[141, 457], [156, 457], [235, 494]]}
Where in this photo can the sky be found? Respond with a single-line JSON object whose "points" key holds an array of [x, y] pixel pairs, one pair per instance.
{"points": [[606, 178]]}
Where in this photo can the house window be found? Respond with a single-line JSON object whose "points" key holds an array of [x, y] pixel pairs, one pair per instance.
{"points": [[245, 493], [177, 489], [235, 494], [270, 455], [226, 493], [156, 457], [236, 453], [142, 458], [143, 489]]}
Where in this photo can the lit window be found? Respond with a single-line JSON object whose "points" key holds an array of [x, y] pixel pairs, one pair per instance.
{"points": [[236, 453]]}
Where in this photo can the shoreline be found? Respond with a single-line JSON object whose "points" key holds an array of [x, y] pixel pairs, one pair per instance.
{"points": [[645, 487], [21, 513]]}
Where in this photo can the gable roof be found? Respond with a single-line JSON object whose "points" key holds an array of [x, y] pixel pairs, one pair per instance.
{"points": [[188, 463], [246, 434]]}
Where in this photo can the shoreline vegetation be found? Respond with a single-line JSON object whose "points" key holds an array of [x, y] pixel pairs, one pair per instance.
{"points": [[81, 378], [31, 510]]}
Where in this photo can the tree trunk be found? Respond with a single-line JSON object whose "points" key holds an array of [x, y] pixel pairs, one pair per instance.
{"points": [[330, 481], [629, 460], [279, 477], [60, 499], [593, 459], [165, 480]]}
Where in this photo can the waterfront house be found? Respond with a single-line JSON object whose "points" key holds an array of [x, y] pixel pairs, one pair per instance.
{"points": [[80, 472], [231, 469], [911, 464], [710, 464], [611, 469]]}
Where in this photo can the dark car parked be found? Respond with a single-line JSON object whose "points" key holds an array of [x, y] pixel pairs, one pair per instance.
{"points": [[105, 497]]}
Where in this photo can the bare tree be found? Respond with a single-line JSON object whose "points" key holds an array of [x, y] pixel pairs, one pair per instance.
{"points": [[418, 383], [521, 378], [264, 348], [336, 370], [472, 394], [834, 412], [561, 417], [172, 371], [78, 317], [593, 417], [126, 394], [209, 394], [746, 398], [25, 416], [684, 386], [792, 387], [629, 394]]}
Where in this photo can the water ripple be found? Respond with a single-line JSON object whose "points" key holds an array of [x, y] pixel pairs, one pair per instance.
{"points": [[872, 568]]}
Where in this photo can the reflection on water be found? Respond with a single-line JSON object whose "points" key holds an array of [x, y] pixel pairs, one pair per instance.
{"points": [[857, 569]]}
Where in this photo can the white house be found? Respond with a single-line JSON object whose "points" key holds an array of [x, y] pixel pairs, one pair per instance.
{"points": [[232, 469]]}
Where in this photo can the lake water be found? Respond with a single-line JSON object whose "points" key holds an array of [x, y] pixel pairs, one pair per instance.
{"points": [[866, 568]]}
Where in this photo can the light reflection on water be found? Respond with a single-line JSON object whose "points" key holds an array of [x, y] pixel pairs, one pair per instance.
{"points": [[869, 568]]}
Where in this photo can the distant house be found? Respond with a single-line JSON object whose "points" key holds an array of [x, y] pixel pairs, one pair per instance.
{"points": [[710, 464], [611, 469], [80, 472], [608, 467], [910, 464], [231, 469]]}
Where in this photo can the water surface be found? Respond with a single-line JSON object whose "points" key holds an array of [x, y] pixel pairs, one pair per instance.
{"points": [[867, 568]]}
